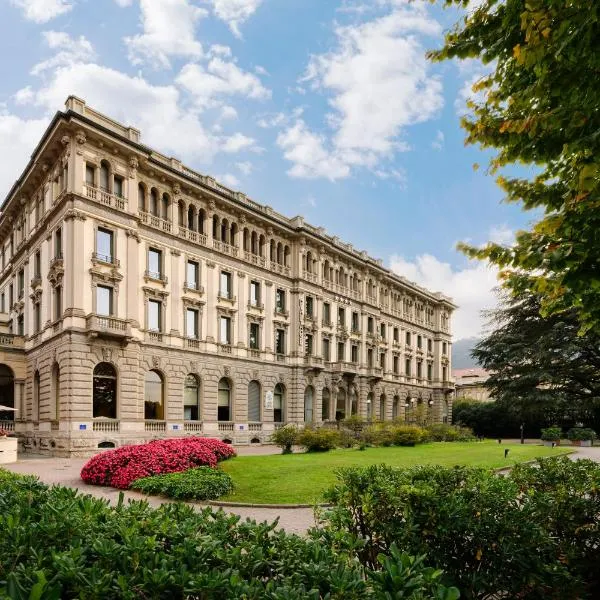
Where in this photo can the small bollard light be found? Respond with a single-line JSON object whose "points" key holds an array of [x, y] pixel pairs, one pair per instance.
{"points": [[506, 451], [499, 441]]}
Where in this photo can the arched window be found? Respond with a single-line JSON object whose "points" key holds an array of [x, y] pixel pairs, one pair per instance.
{"points": [[141, 197], [261, 245], [166, 201], [272, 252], [7, 392], [353, 402], [280, 253], [278, 403], [154, 202], [215, 231], [35, 409], [308, 404], [201, 220], [246, 240], [286, 256], [225, 231], [340, 407], [224, 401], [308, 266], [254, 402], [104, 176], [154, 394], [254, 243], [105, 391], [395, 407], [191, 398], [369, 407], [181, 214], [233, 235], [382, 407], [56, 390], [325, 405]]}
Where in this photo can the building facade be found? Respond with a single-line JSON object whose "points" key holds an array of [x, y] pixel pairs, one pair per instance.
{"points": [[470, 384], [140, 299]]}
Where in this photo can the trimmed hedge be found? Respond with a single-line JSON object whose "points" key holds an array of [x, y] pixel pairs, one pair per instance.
{"points": [[318, 440], [532, 534], [203, 483], [119, 468], [59, 544]]}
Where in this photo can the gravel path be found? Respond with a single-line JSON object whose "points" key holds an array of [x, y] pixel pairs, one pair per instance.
{"points": [[65, 471]]}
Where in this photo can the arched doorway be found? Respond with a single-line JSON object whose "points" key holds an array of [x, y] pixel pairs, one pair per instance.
{"points": [[278, 403], [325, 405], [308, 404], [191, 398], [7, 393], [369, 406], [105, 391], [340, 406], [395, 407], [154, 394], [254, 402], [382, 407], [224, 400], [353, 402]]}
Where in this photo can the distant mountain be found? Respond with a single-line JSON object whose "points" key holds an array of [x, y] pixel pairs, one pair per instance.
{"points": [[461, 353]]}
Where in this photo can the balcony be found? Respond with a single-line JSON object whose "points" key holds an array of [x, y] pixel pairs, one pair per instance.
{"points": [[254, 427], [375, 372], [312, 277], [104, 197], [326, 323], [105, 259], [193, 286], [254, 353], [225, 426], [192, 343], [57, 262], [255, 259], [108, 327], [281, 269], [156, 337], [155, 221], [314, 363], [280, 358], [192, 236], [11, 341], [345, 368], [281, 312], [257, 306], [225, 248], [193, 426], [106, 425], [155, 426], [224, 348], [226, 297], [155, 276]]}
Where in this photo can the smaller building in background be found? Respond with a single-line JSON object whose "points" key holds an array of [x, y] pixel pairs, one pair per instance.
{"points": [[470, 383]]}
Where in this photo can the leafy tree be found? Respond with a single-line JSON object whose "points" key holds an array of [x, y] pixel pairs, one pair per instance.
{"points": [[542, 369], [540, 106]]}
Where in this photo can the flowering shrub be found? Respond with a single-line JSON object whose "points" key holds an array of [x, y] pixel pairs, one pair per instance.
{"points": [[5, 432], [120, 467]]}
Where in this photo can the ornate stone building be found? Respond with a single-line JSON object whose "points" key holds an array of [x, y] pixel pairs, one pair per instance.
{"points": [[141, 299]]}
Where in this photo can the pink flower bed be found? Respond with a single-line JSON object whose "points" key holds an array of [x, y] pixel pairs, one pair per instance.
{"points": [[120, 467]]}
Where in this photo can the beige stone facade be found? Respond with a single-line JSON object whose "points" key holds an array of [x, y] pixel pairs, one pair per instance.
{"points": [[470, 384], [140, 299]]}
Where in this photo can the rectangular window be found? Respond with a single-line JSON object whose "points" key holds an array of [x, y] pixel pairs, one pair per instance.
{"points": [[192, 275], [58, 302], [191, 323], [254, 293], [429, 345], [118, 186], [429, 372], [396, 334], [354, 353], [280, 301], [20, 325], [225, 285], [104, 245], [37, 317], [225, 330], [308, 344], [382, 360], [89, 174], [21, 283], [37, 265], [104, 300], [444, 348], [154, 263], [2, 303], [190, 399], [419, 369], [370, 357], [10, 297], [340, 350], [407, 367], [58, 243], [419, 342], [254, 341], [326, 350], [341, 317], [444, 373], [310, 307], [370, 325], [280, 341], [408, 338], [355, 326], [326, 313], [382, 330], [396, 365], [154, 315]]}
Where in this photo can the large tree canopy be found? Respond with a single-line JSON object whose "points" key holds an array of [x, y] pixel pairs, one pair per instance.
{"points": [[540, 105], [541, 367]]}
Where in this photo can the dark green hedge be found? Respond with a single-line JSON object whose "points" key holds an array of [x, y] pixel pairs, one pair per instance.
{"points": [[56, 544]]}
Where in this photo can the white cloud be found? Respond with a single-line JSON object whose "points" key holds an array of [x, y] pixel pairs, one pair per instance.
{"points": [[70, 51], [245, 167], [229, 180], [168, 30], [438, 143], [219, 78], [235, 12], [237, 142], [502, 234], [269, 121], [228, 113], [471, 288], [124, 3], [24, 95], [379, 83], [42, 11], [261, 71]]}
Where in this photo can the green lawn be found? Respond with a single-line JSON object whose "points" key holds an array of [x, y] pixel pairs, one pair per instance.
{"points": [[302, 478]]}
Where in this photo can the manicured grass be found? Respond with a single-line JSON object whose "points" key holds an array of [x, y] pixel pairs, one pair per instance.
{"points": [[302, 478]]}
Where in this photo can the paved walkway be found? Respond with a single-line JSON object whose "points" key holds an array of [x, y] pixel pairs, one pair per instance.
{"points": [[65, 471]]}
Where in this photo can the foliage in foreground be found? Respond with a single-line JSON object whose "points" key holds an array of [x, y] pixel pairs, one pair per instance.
{"points": [[533, 534], [203, 483], [57, 543], [120, 467], [539, 106]]}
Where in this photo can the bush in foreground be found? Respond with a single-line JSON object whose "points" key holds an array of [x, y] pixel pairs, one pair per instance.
{"points": [[202, 483], [120, 467], [530, 535], [285, 437], [318, 440], [58, 543]]}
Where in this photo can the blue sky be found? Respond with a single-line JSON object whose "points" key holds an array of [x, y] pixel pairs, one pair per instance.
{"points": [[325, 108]]}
